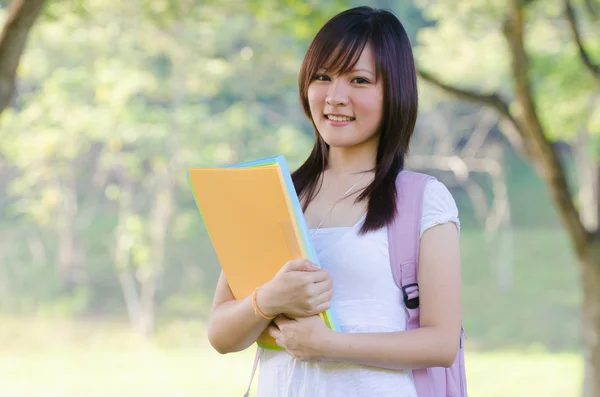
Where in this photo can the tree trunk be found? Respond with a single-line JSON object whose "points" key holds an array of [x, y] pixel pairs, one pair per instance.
{"points": [[545, 159], [6, 246], [522, 125], [123, 257], [69, 266], [160, 217], [163, 205], [21, 16], [590, 279]]}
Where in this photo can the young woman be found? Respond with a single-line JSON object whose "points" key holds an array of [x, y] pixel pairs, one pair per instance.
{"points": [[358, 87]]}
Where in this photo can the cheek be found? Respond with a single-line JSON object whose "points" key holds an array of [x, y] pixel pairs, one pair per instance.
{"points": [[315, 99], [373, 107]]}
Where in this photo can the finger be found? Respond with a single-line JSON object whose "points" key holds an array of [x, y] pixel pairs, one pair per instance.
{"points": [[274, 331], [281, 321], [323, 297], [318, 276], [277, 335], [301, 265], [320, 303], [322, 307], [322, 287]]}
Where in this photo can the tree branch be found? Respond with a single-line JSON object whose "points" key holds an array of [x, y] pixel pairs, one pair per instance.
{"points": [[591, 8], [21, 16], [490, 100], [583, 53], [481, 130], [542, 152], [493, 101]]}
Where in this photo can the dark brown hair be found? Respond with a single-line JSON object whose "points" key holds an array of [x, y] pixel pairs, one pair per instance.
{"points": [[337, 47]]}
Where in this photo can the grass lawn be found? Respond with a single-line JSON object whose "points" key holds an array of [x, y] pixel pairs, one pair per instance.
{"points": [[104, 360]]}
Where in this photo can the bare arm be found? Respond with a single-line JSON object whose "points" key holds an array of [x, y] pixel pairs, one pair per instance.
{"points": [[233, 326], [434, 344], [299, 289]]}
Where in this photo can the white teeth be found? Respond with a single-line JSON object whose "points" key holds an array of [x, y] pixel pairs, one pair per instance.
{"points": [[339, 118]]}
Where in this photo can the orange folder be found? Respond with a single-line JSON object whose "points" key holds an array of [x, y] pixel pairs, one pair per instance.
{"points": [[253, 221]]}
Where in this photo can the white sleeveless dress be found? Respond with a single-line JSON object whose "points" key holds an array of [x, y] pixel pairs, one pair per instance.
{"points": [[366, 300]]}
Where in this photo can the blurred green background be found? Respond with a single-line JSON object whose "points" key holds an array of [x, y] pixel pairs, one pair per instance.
{"points": [[106, 270]]}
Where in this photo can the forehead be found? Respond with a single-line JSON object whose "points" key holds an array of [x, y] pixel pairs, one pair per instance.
{"points": [[366, 60], [343, 60]]}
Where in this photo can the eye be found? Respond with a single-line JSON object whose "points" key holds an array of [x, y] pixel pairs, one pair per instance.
{"points": [[321, 77], [360, 80]]}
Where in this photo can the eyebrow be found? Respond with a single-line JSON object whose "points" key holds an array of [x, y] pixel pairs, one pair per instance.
{"points": [[363, 70], [324, 70]]}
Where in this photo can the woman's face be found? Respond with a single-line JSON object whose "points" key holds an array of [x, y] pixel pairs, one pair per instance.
{"points": [[347, 108]]}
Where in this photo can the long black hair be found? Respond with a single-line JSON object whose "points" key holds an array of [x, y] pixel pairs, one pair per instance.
{"points": [[338, 46]]}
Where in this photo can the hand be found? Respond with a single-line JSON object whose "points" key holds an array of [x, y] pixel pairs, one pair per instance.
{"points": [[300, 289], [302, 338]]}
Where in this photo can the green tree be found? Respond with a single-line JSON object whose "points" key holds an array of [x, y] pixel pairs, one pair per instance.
{"points": [[536, 64], [118, 101]]}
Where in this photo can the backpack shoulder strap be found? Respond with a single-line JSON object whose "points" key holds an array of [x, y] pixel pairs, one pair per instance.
{"points": [[404, 237]]}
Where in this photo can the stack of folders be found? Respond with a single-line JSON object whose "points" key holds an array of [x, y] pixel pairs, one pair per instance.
{"points": [[255, 222]]}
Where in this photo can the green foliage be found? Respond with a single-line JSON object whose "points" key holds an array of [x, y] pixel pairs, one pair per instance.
{"points": [[115, 98], [467, 40], [294, 18], [458, 41]]}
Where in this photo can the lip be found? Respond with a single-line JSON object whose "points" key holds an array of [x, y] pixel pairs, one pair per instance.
{"points": [[337, 114], [334, 123]]}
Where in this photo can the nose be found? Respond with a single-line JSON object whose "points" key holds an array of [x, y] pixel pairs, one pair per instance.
{"points": [[337, 94]]}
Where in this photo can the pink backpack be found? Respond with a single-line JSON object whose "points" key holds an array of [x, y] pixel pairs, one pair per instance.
{"points": [[404, 256]]}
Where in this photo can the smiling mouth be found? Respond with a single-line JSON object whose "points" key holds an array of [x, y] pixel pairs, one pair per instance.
{"points": [[339, 118]]}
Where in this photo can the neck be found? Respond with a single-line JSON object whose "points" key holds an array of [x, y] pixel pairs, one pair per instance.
{"points": [[352, 160]]}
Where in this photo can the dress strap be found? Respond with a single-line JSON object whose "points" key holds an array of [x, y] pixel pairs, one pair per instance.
{"points": [[259, 351]]}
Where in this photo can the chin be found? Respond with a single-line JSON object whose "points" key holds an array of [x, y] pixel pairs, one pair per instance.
{"points": [[341, 140], [343, 137], [340, 143]]}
